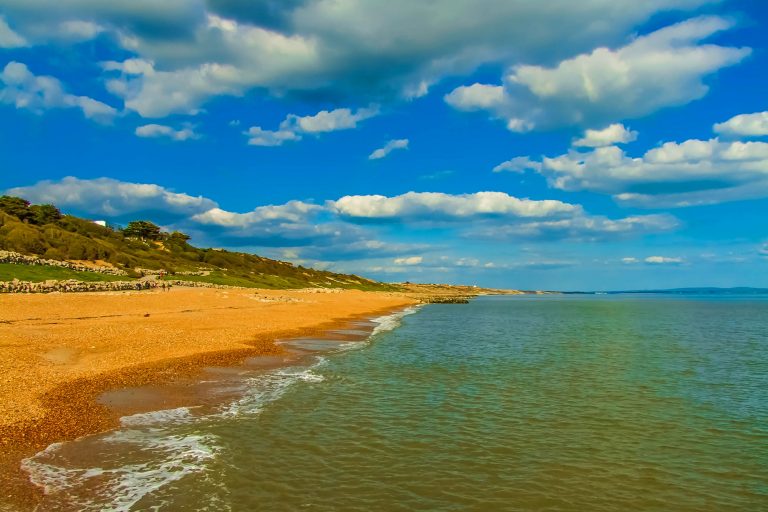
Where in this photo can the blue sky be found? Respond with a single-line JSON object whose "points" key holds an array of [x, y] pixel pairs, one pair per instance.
{"points": [[603, 144]]}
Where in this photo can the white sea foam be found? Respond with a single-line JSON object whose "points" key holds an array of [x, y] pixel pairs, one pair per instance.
{"points": [[179, 415], [156, 460], [152, 450], [390, 322]]}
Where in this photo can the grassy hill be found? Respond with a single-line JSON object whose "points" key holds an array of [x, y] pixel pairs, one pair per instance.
{"points": [[42, 231]]}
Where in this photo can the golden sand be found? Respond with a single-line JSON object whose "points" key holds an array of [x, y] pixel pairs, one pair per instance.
{"points": [[59, 352]]}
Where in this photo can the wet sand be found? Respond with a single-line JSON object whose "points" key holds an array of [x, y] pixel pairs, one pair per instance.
{"points": [[59, 353]]}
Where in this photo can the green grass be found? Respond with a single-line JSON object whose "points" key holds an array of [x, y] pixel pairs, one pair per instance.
{"points": [[39, 273], [251, 281], [269, 281]]}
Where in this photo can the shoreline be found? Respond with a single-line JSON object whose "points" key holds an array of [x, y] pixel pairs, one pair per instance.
{"points": [[71, 408]]}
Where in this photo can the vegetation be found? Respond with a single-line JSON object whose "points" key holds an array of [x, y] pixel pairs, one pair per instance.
{"points": [[144, 230], [42, 230], [40, 273], [38, 214]]}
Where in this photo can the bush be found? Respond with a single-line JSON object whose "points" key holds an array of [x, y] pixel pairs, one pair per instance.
{"points": [[54, 254], [25, 239]]}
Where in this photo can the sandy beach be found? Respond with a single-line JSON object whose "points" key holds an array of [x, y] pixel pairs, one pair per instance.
{"points": [[59, 352]]}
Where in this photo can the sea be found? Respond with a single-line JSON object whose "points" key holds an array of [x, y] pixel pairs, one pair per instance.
{"points": [[583, 403]]}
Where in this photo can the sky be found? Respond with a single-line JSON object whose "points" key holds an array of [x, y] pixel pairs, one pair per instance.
{"points": [[591, 145]]}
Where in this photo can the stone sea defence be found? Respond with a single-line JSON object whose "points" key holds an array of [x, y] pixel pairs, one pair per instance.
{"points": [[446, 299], [22, 259], [72, 285]]}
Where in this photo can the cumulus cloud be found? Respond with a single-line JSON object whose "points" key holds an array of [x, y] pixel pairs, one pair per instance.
{"points": [[498, 216], [294, 126], [292, 211], [388, 148], [21, 88], [204, 49], [287, 225], [518, 164], [662, 69], [9, 38], [160, 130], [615, 133], [257, 136], [439, 206], [410, 260], [329, 121], [477, 97], [747, 125], [333, 231], [674, 174], [112, 198]]}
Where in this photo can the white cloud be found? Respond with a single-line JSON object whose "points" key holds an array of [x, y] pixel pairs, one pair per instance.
{"points": [[749, 125], [615, 133], [257, 136], [159, 130], [292, 211], [130, 66], [763, 251], [663, 260], [675, 174], [333, 231], [24, 90], [287, 225], [653, 260], [410, 260], [79, 30], [436, 205], [388, 148], [581, 227], [106, 196], [205, 49], [518, 164], [329, 121], [292, 128], [9, 38], [477, 96], [498, 216], [662, 69]]}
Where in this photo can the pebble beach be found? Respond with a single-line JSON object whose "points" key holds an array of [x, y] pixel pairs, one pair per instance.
{"points": [[59, 352]]}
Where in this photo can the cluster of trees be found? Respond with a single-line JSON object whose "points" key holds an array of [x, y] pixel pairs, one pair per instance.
{"points": [[147, 231], [39, 214]]}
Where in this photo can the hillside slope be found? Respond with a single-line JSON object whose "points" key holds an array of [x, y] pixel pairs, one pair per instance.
{"points": [[40, 230]]}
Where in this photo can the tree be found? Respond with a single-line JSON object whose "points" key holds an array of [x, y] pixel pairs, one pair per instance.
{"points": [[177, 240], [15, 206], [179, 236], [142, 229], [44, 214]]}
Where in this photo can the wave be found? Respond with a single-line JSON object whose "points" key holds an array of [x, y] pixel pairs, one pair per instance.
{"points": [[150, 451], [392, 321]]}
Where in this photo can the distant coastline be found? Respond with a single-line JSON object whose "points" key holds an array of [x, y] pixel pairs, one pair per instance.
{"points": [[739, 290]]}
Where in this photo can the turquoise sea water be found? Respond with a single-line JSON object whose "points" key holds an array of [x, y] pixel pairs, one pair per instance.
{"points": [[577, 403]]}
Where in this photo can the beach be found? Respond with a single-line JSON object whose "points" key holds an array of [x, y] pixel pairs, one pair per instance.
{"points": [[60, 352]]}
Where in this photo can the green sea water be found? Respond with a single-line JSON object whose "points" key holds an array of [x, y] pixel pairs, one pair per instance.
{"points": [[554, 403]]}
